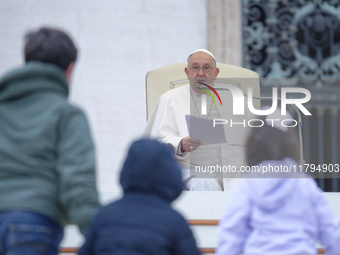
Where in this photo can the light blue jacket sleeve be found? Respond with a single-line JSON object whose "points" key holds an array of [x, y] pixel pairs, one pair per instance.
{"points": [[329, 229], [234, 225]]}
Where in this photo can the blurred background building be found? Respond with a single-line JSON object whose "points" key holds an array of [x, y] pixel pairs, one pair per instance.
{"points": [[297, 43], [288, 42]]}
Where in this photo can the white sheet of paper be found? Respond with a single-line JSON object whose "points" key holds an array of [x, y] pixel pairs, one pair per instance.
{"points": [[203, 130]]}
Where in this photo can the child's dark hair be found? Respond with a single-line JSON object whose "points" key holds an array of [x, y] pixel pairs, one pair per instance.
{"points": [[50, 45], [271, 143]]}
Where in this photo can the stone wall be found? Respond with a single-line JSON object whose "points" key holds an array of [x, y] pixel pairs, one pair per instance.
{"points": [[119, 41]]}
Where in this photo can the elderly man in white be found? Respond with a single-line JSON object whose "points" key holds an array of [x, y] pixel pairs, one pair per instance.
{"points": [[167, 124]]}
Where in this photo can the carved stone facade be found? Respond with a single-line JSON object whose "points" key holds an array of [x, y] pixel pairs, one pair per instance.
{"points": [[289, 43], [297, 43], [292, 38]]}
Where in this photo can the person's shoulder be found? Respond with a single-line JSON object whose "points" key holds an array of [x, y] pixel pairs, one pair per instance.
{"points": [[175, 96], [65, 107], [175, 216], [308, 181], [178, 224], [67, 112], [176, 91]]}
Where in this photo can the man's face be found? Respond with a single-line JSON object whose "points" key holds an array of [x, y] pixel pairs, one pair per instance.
{"points": [[201, 68]]}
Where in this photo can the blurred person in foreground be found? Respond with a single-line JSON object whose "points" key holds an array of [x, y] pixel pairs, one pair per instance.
{"points": [[47, 170], [277, 212], [143, 221]]}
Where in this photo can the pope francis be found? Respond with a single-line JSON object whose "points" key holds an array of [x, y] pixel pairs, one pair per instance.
{"points": [[167, 123]]}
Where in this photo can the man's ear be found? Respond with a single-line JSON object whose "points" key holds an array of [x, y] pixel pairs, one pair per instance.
{"points": [[216, 72], [186, 70], [68, 72]]}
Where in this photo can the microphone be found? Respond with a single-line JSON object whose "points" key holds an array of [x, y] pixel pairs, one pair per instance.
{"points": [[295, 108]]}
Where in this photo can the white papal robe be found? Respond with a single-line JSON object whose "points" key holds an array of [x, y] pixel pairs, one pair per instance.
{"points": [[167, 124]]}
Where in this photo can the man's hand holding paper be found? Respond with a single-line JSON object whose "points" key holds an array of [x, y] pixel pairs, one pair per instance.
{"points": [[204, 130]]}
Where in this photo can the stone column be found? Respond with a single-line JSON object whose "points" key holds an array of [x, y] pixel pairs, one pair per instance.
{"points": [[225, 30]]}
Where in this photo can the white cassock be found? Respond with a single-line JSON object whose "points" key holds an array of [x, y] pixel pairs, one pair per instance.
{"points": [[168, 125]]}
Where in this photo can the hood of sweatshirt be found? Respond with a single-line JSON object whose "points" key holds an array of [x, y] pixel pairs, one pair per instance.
{"points": [[150, 167], [272, 191], [33, 77]]}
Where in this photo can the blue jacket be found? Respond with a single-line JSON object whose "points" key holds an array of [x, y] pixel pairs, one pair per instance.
{"points": [[143, 222]]}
